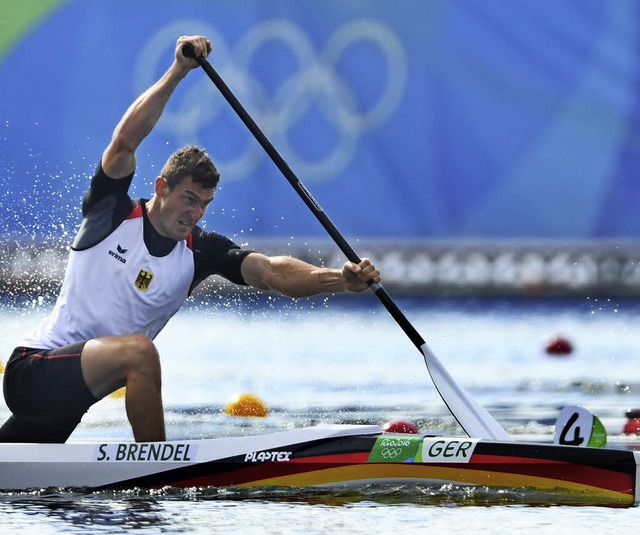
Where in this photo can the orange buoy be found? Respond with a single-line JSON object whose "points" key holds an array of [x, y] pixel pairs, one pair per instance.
{"points": [[245, 405], [400, 426]]}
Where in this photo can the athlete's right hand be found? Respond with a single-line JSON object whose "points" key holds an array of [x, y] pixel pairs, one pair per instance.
{"points": [[201, 48]]}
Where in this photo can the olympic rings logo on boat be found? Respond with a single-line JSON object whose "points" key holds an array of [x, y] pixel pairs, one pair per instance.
{"points": [[316, 83], [390, 453]]}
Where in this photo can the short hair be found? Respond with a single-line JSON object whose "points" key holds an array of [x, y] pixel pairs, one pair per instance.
{"points": [[191, 162]]}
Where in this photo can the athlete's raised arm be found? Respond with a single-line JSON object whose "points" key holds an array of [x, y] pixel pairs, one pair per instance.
{"points": [[119, 159]]}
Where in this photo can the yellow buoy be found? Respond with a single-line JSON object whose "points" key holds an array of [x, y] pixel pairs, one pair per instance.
{"points": [[246, 405], [1, 367], [119, 394]]}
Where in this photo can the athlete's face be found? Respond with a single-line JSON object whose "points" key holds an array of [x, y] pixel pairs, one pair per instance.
{"points": [[180, 208]]}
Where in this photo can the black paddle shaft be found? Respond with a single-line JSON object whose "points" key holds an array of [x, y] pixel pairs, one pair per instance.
{"points": [[304, 193]]}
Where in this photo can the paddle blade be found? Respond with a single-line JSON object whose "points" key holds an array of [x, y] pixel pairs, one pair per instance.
{"points": [[471, 416], [576, 426]]}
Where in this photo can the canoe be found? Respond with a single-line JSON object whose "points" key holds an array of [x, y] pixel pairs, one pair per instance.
{"points": [[329, 455]]}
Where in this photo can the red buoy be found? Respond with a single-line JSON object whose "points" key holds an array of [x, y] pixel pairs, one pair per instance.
{"points": [[400, 426], [632, 425], [558, 345]]}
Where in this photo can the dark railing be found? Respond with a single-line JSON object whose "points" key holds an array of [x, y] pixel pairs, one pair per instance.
{"points": [[522, 269]]}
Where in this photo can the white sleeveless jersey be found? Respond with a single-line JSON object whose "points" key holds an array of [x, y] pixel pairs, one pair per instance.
{"points": [[117, 287]]}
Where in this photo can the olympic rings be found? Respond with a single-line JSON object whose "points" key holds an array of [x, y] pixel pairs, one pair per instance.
{"points": [[390, 453], [316, 83]]}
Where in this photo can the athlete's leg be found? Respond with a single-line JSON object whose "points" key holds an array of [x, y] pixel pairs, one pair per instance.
{"points": [[18, 429], [46, 393], [132, 361]]}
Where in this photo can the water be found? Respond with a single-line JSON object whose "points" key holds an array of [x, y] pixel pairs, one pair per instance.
{"points": [[344, 360]]}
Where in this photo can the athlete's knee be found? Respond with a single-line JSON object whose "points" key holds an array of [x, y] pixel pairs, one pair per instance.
{"points": [[56, 431], [144, 357]]}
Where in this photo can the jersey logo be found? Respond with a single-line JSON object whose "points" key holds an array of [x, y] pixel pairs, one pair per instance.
{"points": [[117, 256], [144, 280]]}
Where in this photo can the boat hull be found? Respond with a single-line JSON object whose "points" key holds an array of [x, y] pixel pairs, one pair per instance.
{"points": [[329, 456]]}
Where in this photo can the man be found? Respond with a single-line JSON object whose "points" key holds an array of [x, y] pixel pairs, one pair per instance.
{"points": [[130, 268]]}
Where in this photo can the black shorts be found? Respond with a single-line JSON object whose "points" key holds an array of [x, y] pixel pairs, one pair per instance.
{"points": [[47, 384]]}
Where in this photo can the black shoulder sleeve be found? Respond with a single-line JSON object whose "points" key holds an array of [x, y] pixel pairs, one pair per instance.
{"points": [[215, 254], [105, 205], [104, 186]]}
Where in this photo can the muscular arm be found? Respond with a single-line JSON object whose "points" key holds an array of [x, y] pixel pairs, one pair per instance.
{"points": [[295, 278], [118, 160]]}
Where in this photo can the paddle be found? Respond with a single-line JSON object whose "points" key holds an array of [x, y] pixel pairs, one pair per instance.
{"points": [[471, 416]]}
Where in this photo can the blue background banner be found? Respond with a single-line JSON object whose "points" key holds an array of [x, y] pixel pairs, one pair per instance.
{"points": [[443, 119]]}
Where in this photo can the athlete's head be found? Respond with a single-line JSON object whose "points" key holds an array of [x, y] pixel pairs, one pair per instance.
{"points": [[183, 192], [191, 162]]}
